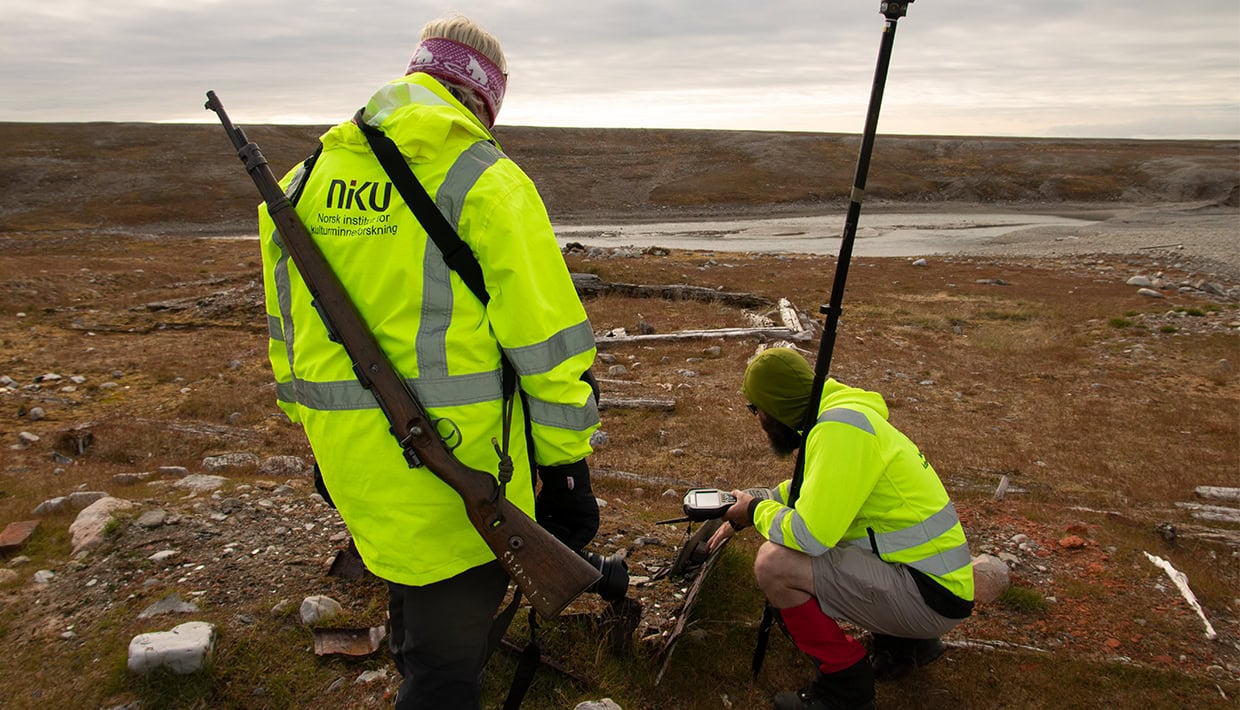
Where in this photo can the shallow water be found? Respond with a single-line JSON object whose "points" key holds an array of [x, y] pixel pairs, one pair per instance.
{"points": [[877, 234]]}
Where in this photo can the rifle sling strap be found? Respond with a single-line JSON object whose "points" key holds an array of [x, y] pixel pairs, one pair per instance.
{"points": [[459, 258], [456, 253]]}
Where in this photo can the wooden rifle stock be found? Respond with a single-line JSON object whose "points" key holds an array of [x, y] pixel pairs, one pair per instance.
{"points": [[547, 571]]}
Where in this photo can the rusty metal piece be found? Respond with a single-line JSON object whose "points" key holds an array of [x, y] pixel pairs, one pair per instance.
{"points": [[348, 642]]}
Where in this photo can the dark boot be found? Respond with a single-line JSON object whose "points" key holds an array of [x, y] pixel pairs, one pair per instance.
{"points": [[849, 689], [893, 657]]}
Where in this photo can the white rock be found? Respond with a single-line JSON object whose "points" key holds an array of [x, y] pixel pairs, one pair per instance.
{"points": [[81, 499], [990, 578], [920, 262], [229, 461], [318, 608], [162, 556], [200, 482], [182, 650], [1149, 293], [1140, 281], [44, 576], [88, 529]]}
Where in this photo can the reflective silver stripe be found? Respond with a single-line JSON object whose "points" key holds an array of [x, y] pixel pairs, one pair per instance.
{"points": [[945, 562], [298, 178], [461, 177], [805, 538], [545, 356], [847, 416], [344, 395], [801, 535], [563, 416], [777, 495], [775, 533], [285, 392], [275, 330], [937, 563], [437, 304], [284, 297], [918, 534], [392, 96]]}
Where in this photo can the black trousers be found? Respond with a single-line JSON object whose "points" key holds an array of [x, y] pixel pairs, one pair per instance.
{"points": [[439, 637]]}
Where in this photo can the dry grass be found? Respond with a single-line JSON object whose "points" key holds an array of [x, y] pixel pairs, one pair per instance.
{"points": [[1026, 379]]}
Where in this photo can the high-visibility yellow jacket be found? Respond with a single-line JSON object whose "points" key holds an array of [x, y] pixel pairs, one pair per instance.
{"points": [[866, 484], [408, 525]]}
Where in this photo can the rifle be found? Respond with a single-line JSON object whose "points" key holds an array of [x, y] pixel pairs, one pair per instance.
{"points": [[544, 569]]}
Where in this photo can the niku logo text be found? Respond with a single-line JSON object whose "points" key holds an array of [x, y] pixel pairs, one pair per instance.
{"points": [[353, 196]]}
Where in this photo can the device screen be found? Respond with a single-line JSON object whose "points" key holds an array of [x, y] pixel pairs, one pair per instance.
{"points": [[707, 499]]}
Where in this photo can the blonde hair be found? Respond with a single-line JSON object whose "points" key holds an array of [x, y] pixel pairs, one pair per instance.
{"points": [[459, 28]]}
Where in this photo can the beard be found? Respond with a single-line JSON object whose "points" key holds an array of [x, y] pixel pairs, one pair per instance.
{"points": [[784, 439]]}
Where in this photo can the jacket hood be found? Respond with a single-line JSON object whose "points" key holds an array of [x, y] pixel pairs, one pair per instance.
{"points": [[836, 394], [418, 114]]}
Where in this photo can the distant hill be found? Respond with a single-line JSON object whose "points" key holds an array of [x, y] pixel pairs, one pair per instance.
{"points": [[185, 179]]}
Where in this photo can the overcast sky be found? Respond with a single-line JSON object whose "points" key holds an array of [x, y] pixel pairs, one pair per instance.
{"points": [[1136, 68]]}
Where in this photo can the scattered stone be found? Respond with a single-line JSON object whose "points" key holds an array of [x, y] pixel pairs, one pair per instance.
{"points": [[604, 704], [171, 604], [36, 414], [19, 561], [43, 576], [81, 499], [162, 556], [49, 377], [1140, 281], [25, 440], [990, 578], [174, 471], [1072, 542], [184, 649], [1150, 293], [235, 460], [51, 506], [284, 467], [598, 439], [921, 262], [15, 535], [130, 479], [201, 482], [617, 371], [91, 524], [318, 608], [152, 518]]}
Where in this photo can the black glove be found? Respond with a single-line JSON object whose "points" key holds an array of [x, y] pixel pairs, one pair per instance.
{"points": [[566, 506]]}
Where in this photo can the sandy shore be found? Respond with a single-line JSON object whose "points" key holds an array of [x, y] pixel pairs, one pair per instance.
{"points": [[1205, 238]]}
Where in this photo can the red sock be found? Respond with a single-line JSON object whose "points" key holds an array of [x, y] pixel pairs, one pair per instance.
{"points": [[818, 635]]}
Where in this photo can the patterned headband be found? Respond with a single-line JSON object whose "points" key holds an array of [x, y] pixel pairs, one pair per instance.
{"points": [[464, 65]]}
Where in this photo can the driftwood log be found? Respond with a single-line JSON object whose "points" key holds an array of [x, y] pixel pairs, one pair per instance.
{"points": [[592, 285], [603, 340], [653, 404]]}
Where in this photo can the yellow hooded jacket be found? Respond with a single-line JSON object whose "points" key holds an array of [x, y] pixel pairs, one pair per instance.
{"points": [[866, 484], [408, 525]]}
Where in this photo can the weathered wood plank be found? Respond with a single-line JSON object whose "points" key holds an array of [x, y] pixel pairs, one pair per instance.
{"points": [[592, 285], [661, 405], [603, 341]]}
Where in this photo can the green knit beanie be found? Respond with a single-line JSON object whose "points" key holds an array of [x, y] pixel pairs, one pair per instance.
{"points": [[778, 381]]}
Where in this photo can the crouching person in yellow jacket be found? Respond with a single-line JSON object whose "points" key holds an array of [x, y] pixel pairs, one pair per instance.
{"points": [[409, 526], [871, 538]]}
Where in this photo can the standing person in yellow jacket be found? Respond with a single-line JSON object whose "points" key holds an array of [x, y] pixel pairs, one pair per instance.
{"points": [[409, 526], [871, 538]]}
